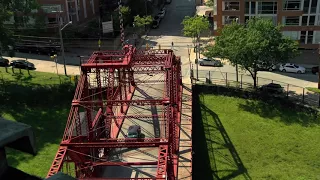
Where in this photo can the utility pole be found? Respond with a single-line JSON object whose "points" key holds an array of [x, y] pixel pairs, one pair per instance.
{"points": [[61, 46], [319, 70]]}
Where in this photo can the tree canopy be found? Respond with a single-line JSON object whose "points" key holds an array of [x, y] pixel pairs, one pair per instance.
{"points": [[194, 26], [257, 43], [19, 10], [142, 21]]}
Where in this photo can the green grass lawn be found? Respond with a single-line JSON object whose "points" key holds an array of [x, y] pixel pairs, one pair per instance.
{"points": [[42, 101], [35, 77], [245, 139]]}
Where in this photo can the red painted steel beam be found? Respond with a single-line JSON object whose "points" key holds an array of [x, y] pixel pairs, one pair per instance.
{"points": [[114, 163], [119, 120], [162, 161], [128, 102], [96, 119], [91, 178], [114, 144], [57, 162]]}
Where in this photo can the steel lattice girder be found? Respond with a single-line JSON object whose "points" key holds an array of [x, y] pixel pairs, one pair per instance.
{"points": [[132, 62], [122, 179], [119, 143]]}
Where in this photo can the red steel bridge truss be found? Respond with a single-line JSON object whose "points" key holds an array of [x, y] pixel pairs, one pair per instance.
{"points": [[104, 95]]}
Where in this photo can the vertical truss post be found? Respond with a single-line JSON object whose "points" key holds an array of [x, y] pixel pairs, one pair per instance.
{"points": [[88, 109]]}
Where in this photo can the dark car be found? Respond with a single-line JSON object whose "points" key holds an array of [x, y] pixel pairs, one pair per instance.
{"points": [[4, 62], [272, 88], [134, 131], [315, 70], [23, 64]]}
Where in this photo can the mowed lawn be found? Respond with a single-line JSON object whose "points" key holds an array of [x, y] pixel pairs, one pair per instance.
{"points": [[245, 139], [42, 101]]}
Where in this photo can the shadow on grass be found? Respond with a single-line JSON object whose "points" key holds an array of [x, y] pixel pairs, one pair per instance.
{"points": [[215, 157], [45, 108], [287, 114]]}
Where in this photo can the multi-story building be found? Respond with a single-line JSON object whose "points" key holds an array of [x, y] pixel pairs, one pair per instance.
{"points": [[300, 18], [77, 11]]}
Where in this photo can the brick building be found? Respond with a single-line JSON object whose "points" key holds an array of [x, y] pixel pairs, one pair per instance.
{"points": [[77, 11], [300, 18]]}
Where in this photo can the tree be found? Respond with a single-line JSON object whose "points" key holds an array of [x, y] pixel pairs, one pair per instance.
{"points": [[125, 11], [194, 26], [142, 21], [210, 3], [19, 10], [255, 44]]}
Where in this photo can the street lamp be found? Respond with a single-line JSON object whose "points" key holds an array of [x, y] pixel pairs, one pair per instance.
{"points": [[61, 40], [62, 47]]}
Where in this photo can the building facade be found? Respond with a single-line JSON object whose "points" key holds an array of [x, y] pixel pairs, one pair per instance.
{"points": [[77, 11], [300, 18]]}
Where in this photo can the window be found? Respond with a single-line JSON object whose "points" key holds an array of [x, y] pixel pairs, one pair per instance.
{"points": [[230, 19], [294, 35], [267, 7], [303, 37], [310, 37], [253, 7], [306, 6], [291, 5], [231, 6], [291, 21], [312, 20], [247, 8], [313, 6], [246, 18], [304, 21]]}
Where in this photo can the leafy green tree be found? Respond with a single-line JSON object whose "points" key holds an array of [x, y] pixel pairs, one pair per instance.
{"points": [[210, 3], [125, 11], [255, 44], [194, 26], [142, 21], [19, 10]]}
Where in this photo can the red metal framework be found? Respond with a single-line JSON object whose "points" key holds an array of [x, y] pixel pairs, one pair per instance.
{"points": [[106, 98]]}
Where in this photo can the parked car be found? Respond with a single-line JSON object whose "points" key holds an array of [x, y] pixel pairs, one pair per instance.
{"points": [[209, 62], [289, 67], [315, 70], [162, 13], [265, 67], [134, 131], [155, 24], [23, 64], [4, 62], [272, 88]]}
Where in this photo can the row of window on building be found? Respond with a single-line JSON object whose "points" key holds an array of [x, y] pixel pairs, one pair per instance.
{"points": [[305, 20], [259, 7], [304, 37]]}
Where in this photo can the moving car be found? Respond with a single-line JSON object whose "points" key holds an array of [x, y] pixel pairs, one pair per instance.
{"points": [[272, 88], [23, 64], [315, 70], [4, 62], [134, 131], [289, 67], [209, 62]]}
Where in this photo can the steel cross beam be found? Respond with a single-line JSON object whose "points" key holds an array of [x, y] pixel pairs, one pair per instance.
{"points": [[121, 179], [121, 143], [121, 102], [121, 163]]}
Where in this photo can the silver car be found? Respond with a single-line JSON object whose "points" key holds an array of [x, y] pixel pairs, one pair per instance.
{"points": [[209, 62]]}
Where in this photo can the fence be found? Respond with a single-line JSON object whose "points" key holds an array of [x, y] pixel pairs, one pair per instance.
{"points": [[296, 93]]}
